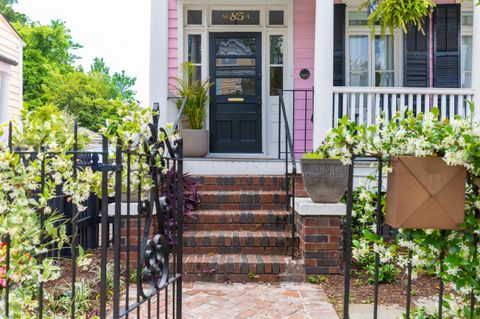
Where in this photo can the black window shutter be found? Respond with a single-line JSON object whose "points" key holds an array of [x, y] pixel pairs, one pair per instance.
{"points": [[339, 45], [416, 57], [447, 56]]}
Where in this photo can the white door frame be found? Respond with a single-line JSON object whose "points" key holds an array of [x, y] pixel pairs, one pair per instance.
{"points": [[206, 6]]}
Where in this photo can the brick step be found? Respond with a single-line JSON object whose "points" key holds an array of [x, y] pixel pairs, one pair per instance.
{"points": [[241, 183], [281, 250], [239, 200], [238, 220], [245, 242], [227, 264], [229, 278], [239, 227]]}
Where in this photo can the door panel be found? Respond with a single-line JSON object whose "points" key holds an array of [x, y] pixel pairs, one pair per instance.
{"points": [[236, 95]]}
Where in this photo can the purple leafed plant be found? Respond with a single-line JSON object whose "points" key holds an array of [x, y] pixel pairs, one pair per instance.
{"points": [[171, 192]]}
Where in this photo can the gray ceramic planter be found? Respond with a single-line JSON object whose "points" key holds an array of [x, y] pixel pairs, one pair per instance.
{"points": [[195, 142], [325, 180]]}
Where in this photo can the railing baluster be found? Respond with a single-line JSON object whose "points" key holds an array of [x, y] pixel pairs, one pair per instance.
{"points": [[344, 104], [427, 103], [353, 106], [386, 107], [377, 106], [452, 107], [410, 102], [394, 104], [402, 102], [418, 104], [461, 105], [336, 105], [444, 106], [370, 119], [361, 108]]}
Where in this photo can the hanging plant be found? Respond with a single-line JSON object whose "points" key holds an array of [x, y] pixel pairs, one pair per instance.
{"points": [[393, 14]]}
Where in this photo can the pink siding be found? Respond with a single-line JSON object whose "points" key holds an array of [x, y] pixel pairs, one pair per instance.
{"points": [[172, 39], [304, 51]]}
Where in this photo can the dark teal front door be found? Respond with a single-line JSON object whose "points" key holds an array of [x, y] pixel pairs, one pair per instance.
{"points": [[236, 94]]}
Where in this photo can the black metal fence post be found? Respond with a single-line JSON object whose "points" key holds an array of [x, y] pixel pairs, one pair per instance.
{"points": [[378, 231], [348, 242], [74, 227], [104, 231], [180, 212], [117, 230]]}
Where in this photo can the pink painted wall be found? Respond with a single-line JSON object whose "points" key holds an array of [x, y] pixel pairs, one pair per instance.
{"points": [[304, 52], [172, 40]]}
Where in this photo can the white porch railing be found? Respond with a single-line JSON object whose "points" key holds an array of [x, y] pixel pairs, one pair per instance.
{"points": [[365, 104]]}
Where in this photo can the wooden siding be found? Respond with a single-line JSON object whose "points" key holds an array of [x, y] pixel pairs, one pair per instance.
{"points": [[304, 52], [11, 47]]}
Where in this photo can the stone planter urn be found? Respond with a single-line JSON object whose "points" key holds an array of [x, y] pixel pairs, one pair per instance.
{"points": [[425, 193], [325, 180], [195, 142]]}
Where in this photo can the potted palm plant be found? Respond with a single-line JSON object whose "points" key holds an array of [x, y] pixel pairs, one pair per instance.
{"points": [[192, 130]]}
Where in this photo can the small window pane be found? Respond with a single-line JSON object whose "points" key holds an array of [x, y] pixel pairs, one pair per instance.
{"points": [[194, 17], [235, 86], [276, 18], [358, 18], [359, 60], [276, 80], [276, 49], [236, 71], [235, 62], [195, 48], [229, 17], [236, 47], [197, 75], [384, 65], [467, 47], [384, 79], [467, 19]]}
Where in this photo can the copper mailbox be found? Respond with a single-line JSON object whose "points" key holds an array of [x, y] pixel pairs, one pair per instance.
{"points": [[425, 193]]}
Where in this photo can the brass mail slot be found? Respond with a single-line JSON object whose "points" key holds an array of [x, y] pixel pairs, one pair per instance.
{"points": [[236, 99]]}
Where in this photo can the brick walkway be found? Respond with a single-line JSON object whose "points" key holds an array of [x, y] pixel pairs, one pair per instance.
{"points": [[240, 301], [284, 300]]}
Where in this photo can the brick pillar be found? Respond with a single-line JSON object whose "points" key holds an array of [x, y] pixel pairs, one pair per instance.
{"points": [[318, 226]]}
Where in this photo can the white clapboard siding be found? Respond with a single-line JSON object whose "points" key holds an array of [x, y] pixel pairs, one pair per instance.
{"points": [[11, 46]]}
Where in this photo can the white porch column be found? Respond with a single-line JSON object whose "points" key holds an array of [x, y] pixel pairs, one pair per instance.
{"points": [[323, 69], [4, 89], [159, 59], [476, 61]]}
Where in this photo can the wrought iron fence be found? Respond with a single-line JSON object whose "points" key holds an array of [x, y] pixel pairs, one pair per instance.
{"points": [[388, 234], [138, 241]]}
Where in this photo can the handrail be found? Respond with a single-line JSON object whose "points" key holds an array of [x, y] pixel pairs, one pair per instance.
{"points": [[402, 90], [289, 146], [180, 113]]}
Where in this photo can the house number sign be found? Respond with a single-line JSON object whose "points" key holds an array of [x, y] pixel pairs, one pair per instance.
{"points": [[235, 17]]}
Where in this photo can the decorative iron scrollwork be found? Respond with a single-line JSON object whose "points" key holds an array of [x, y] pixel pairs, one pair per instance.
{"points": [[155, 271]]}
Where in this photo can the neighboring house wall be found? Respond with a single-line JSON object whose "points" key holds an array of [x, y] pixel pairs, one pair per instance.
{"points": [[11, 47]]}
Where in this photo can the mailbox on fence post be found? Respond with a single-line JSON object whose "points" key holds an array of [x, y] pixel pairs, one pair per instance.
{"points": [[425, 193]]}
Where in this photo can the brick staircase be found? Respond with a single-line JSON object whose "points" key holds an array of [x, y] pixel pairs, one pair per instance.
{"points": [[240, 232]]}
